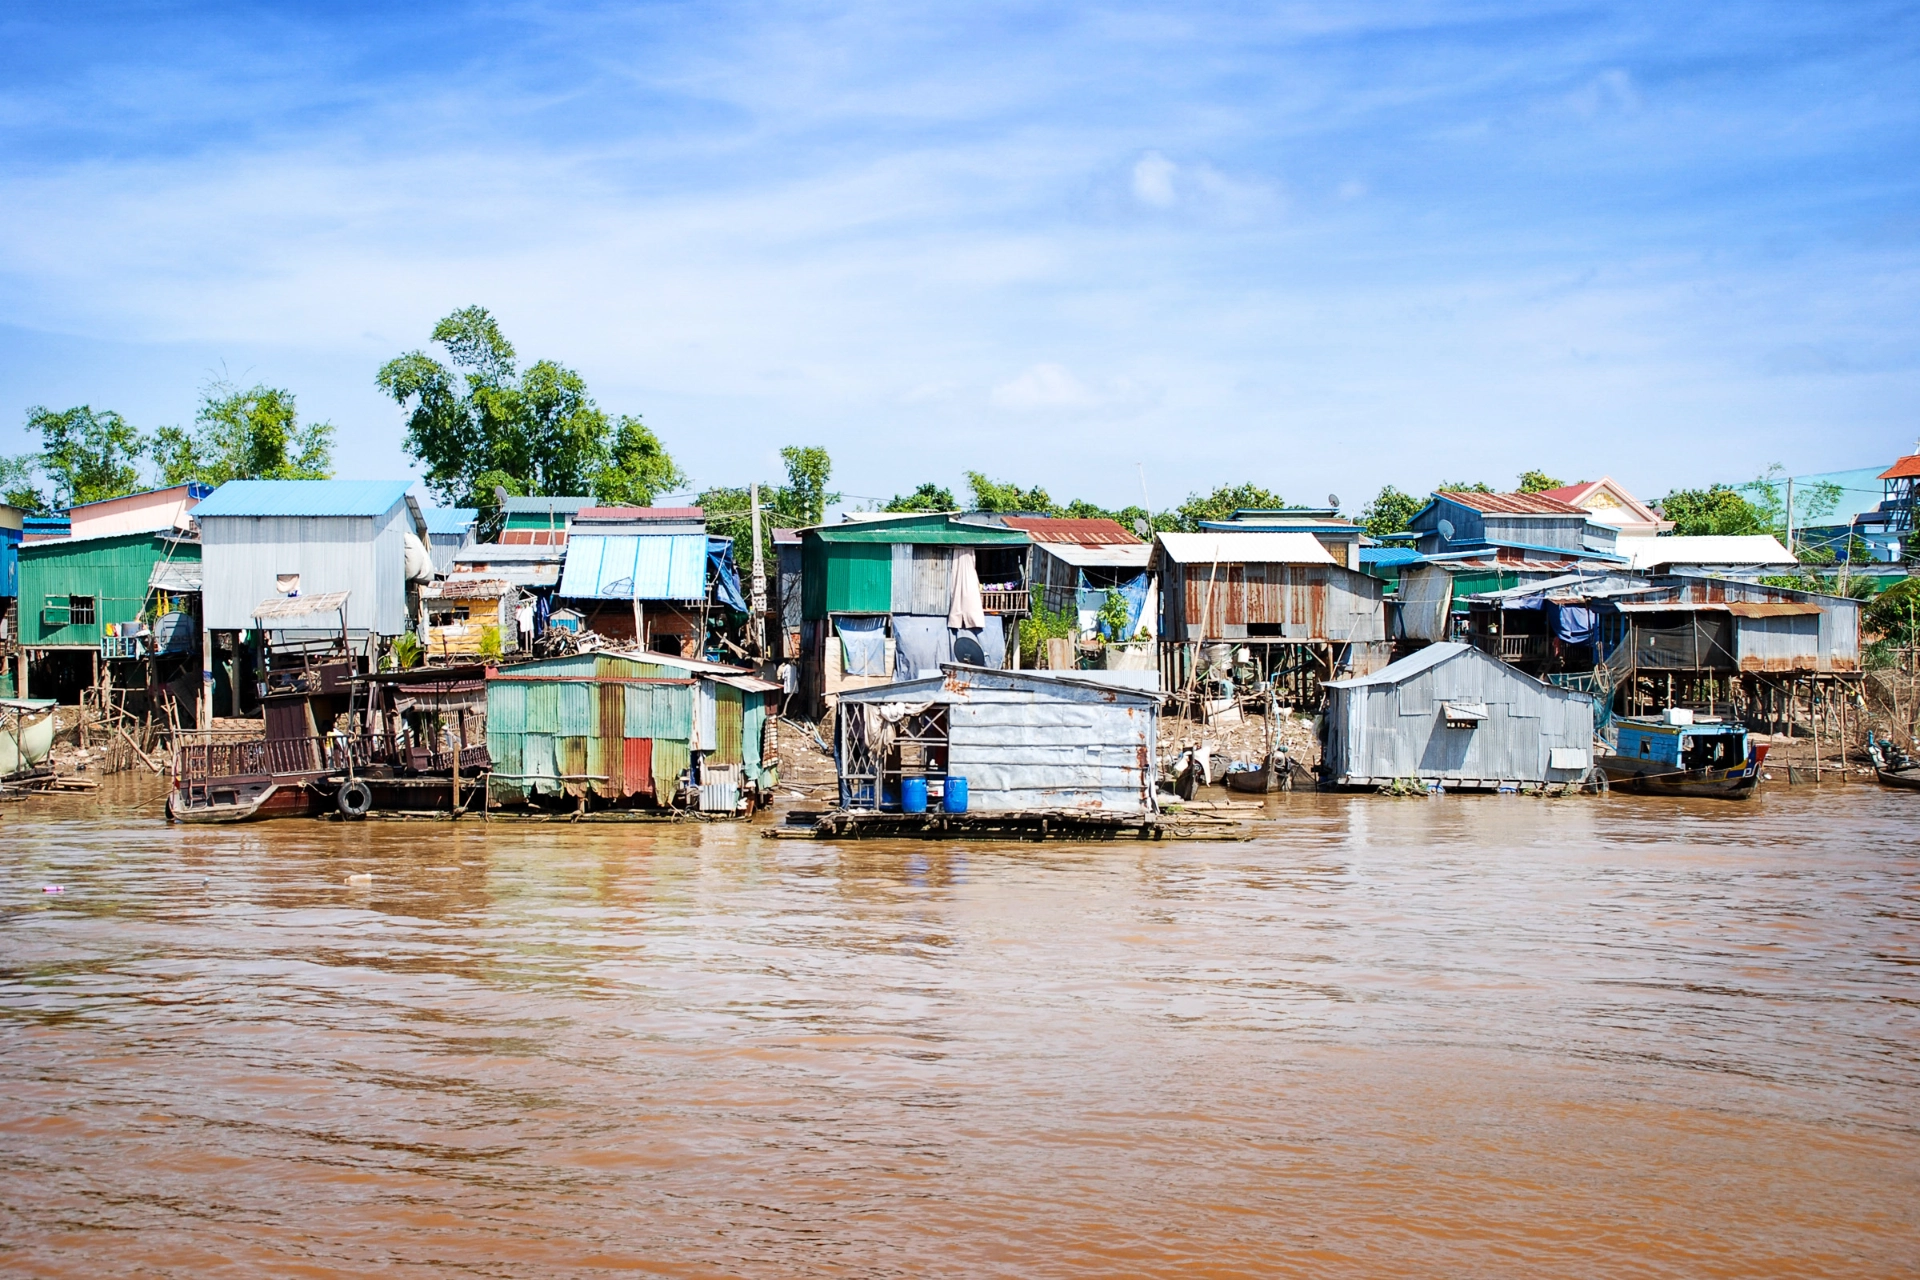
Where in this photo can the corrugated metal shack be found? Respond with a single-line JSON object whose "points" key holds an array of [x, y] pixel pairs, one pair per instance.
{"points": [[626, 729], [303, 537], [539, 521], [1277, 597], [1453, 715], [1339, 535], [1434, 591], [1454, 520], [1025, 741], [74, 591], [460, 612], [651, 575], [870, 587], [1073, 564]]}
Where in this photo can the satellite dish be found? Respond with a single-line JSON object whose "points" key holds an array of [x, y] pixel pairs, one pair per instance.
{"points": [[500, 494], [1141, 527], [1333, 500], [966, 649], [1446, 530]]}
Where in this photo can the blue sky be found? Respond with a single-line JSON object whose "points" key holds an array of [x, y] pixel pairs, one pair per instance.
{"points": [[1320, 247]]}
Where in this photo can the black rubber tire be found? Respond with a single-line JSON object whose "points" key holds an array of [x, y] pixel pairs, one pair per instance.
{"points": [[353, 799]]}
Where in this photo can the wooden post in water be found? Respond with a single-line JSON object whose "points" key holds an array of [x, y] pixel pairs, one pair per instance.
{"points": [[1814, 715], [458, 746]]}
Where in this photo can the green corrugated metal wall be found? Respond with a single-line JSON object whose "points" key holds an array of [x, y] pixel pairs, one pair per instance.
{"points": [[846, 578], [659, 711], [556, 734], [114, 571]]}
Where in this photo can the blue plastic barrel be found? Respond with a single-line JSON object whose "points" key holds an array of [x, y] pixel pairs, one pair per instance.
{"points": [[913, 795], [955, 799]]}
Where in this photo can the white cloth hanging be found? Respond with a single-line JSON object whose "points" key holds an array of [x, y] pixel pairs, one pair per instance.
{"points": [[966, 611]]}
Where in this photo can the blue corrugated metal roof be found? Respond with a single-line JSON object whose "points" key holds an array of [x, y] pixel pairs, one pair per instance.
{"points": [[451, 520], [304, 498], [1387, 557], [670, 566]]}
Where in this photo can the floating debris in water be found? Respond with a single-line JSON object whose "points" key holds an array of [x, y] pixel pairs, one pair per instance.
{"points": [[360, 877], [51, 888]]}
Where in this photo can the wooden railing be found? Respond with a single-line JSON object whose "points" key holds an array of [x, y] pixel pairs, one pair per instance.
{"points": [[1004, 601], [254, 757], [1514, 648]]}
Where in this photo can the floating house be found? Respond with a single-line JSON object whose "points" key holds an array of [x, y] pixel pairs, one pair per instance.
{"points": [[1339, 535], [87, 599], [1455, 520], [1074, 564], [891, 596], [628, 729], [650, 576], [1453, 716], [288, 538], [1278, 598], [1025, 742], [469, 616]]}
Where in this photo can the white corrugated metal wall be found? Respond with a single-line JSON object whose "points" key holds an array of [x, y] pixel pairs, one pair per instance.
{"points": [[361, 555]]}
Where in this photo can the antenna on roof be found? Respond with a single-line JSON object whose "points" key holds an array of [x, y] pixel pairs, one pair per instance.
{"points": [[1141, 527], [1446, 529], [500, 494], [1333, 500]]}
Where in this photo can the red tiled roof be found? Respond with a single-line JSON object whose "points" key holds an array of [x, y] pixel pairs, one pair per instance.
{"points": [[1906, 468], [640, 513], [1513, 504], [1570, 492], [1085, 533]]}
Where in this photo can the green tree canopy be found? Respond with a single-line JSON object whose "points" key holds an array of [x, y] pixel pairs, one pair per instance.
{"points": [[928, 497], [1893, 618], [1390, 511], [1767, 494], [478, 422], [244, 434], [1462, 486], [20, 484], [998, 495], [1717, 509], [85, 455], [1539, 482]]}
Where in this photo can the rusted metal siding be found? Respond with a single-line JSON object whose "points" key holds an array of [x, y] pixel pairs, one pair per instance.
{"points": [[636, 767], [1273, 601], [1766, 644], [671, 758]]}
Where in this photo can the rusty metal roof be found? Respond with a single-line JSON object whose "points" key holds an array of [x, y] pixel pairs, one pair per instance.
{"points": [[1771, 609], [1082, 533], [1512, 504], [640, 513]]}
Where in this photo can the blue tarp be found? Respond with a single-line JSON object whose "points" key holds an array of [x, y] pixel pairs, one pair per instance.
{"points": [[726, 579], [863, 643], [1573, 624], [1134, 592]]}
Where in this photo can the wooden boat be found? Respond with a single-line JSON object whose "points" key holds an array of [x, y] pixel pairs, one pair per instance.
{"points": [[1659, 757], [26, 735], [241, 800], [1271, 775], [1894, 767]]}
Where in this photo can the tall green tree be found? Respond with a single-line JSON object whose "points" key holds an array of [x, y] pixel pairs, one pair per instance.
{"points": [[477, 422], [1717, 509], [20, 484], [85, 455], [1000, 496], [1768, 496], [1463, 486], [928, 497], [1390, 511], [251, 433], [1539, 482]]}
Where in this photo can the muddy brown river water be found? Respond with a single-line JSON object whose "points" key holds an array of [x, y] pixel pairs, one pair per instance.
{"points": [[1496, 1036]]}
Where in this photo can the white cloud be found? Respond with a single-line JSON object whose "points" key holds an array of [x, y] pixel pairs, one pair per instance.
{"points": [[1045, 386], [1153, 176]]}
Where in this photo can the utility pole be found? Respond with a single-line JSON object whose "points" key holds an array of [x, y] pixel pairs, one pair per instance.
{"points": [[757, 633]]}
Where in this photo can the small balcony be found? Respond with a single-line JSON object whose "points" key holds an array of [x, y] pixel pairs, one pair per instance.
{"points": [[1014, 603]]}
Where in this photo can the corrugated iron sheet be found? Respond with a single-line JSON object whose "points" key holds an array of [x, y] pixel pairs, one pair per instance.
{"points": [[658, 711], [1513, 504], [669, 566], [304, 498], [636, 767], [671, 757], [753, 728], [538, 764], [570, 755], [728, 723], [506, 707], [579, 710]]}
